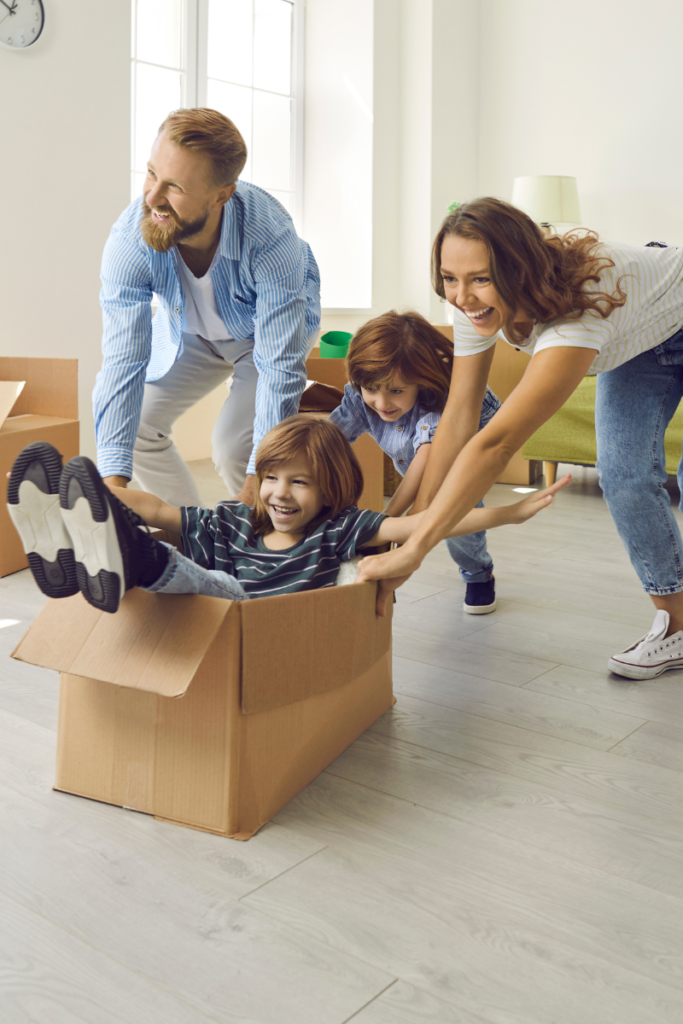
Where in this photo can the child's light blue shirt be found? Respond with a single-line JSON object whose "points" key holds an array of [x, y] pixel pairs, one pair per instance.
{"points": [[400, 439]]}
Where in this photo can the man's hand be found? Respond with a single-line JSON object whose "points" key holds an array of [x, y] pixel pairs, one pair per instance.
{"points": [[116, 481], [248, 493]]}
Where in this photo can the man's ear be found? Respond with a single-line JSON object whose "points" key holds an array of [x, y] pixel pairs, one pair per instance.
{"points": [[225, 194]]}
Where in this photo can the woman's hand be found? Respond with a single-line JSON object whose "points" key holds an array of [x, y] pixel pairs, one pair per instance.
{"points": [[521, 511], [392, 569]]}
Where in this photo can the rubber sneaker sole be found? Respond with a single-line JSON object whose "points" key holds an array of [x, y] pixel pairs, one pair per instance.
{"points": [[642, 671], [33, 505], [479, 609], [88, 517]]}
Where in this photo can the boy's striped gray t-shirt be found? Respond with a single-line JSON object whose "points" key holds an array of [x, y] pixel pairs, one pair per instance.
{"points": [[223, 538]]}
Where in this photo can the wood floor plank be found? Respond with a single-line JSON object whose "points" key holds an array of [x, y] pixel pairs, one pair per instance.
{"points": [[599, 835], [591, 911], [654, 793], [50, 977], [481, 962], [514, 641], [659, 700], [659, 743], [173, 922], [404, 1004], [471, 656], [514, 705]]}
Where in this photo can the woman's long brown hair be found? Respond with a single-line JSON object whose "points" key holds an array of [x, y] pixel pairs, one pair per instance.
{"points": [[544, 277], [407, 345]]}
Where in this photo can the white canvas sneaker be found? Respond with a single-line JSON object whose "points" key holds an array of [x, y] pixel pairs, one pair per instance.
{"points": [[654, 654]]}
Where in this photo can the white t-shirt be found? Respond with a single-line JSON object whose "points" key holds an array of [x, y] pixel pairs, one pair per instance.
{"points": [[653, 282], [201, 315]]}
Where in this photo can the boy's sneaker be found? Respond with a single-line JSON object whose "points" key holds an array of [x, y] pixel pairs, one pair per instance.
{"points": [[33, 503], [112, 553], [480, 598], [654, 654]]}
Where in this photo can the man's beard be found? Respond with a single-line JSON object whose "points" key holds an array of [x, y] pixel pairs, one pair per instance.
{"points": [[163, 237]]}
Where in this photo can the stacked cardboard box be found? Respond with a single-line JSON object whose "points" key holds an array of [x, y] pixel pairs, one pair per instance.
{"points": [[46, 410]]}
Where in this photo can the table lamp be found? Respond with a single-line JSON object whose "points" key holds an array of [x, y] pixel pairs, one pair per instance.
{"points": [[549, 199]]}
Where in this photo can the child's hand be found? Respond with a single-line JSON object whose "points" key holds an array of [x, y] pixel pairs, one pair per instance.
{"points": [[528, 507]]}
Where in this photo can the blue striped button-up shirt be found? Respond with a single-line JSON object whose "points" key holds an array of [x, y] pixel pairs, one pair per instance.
{"points": [[267, 288], [401, 438]]}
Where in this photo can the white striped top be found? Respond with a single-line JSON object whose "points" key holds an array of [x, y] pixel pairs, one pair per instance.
{"points": [[653, 281], [267, 287]]}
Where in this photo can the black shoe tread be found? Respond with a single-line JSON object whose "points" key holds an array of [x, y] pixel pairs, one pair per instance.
{"points": [[40, 463]]}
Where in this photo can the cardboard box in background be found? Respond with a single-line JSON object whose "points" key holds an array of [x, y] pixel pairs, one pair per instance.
{"points": [[46, 410], [210, 713], [366, 449]]}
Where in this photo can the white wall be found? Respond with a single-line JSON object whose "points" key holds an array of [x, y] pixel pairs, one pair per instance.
{"points": [[65, 179], [590, 89]]}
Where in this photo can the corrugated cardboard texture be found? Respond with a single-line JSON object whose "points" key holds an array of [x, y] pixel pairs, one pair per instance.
{"points": [[51, 385], [322, 639], [15, 434], [284, 749], [155, 642]]}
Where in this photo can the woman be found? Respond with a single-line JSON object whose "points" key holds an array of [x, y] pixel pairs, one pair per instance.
{"points": [[578, 306]]}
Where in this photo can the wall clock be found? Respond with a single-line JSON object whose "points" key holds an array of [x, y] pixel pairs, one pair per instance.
{"points": [[21, 22]]}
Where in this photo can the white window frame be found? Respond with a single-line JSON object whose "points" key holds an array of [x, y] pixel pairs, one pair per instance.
{"points": [[194, 50]]}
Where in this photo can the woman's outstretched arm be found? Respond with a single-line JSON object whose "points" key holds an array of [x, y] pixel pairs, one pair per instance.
{"points": [[551, 377]]}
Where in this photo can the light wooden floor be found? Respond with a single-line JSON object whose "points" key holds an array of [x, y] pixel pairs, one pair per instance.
{"points": [[504, 847]]}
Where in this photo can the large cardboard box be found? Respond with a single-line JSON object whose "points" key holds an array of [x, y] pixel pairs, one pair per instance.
{"points": [[46, 410], [209, 713], [366, 449]]}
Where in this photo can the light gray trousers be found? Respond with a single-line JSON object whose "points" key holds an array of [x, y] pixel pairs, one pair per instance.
{"points": [[203, 365]]}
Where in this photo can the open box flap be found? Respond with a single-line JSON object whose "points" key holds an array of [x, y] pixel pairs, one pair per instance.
{"points": [[51, 385], [302, 644], [9, 392], [155, 642]]}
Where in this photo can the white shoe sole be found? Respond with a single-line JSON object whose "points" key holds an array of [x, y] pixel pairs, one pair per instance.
{"points": [[96, 550], [621, 668], [38, 520], [479, 609]]}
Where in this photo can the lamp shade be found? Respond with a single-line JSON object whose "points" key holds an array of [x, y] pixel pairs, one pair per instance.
{"points": [[547, 198]]}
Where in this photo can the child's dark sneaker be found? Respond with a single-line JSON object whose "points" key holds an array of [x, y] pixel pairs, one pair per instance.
{"points": [[112, 553], [480, 598], [33, 503]]}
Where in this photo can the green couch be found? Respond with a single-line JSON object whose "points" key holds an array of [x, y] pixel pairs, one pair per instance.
{"points": [[569, 435]]}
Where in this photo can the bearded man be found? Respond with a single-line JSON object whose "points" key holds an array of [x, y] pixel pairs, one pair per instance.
{"points": [[238, 294]]}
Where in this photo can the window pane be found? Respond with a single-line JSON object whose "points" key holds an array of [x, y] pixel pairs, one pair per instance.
{"points": [[157, 93], [230, 40], [272, 141], [273, 45], [235, 102], [158, 31], [137, 181]]}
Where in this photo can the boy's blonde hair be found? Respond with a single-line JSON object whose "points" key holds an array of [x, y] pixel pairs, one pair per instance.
{"points": [[333, 464]]}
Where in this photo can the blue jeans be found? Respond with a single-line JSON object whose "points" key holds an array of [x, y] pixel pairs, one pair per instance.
{"points": [[470, 552], [633, 407], [183, 576]]}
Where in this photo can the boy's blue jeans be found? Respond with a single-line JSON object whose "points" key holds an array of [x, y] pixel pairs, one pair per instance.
{"points": [[633, 407], [183, 576], [470, 551]]}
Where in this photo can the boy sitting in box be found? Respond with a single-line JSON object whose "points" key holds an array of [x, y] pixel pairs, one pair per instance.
{"points": [[80, 535]]}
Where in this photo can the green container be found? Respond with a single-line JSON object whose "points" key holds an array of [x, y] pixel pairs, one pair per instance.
{"points": [[335, 344]]}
